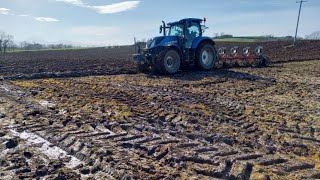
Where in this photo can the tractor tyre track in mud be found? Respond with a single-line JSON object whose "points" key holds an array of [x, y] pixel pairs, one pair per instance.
{"points": [[247, 123]]}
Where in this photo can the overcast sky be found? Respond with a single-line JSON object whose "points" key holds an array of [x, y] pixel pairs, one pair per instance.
{"points": [[110, 22]]}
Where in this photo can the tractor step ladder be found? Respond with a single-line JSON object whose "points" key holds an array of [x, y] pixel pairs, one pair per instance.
{"points": [[189, 57]]}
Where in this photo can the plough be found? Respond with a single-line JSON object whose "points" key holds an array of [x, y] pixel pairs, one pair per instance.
{"points": [[246, 58]]}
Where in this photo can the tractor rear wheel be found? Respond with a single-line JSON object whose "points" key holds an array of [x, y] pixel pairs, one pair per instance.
{"points": [[206, 56], [169, 62]]}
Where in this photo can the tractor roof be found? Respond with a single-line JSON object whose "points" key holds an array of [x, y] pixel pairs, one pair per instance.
{"points": [[187, 19]]}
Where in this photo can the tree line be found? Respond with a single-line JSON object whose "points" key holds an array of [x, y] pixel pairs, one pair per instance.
{"points": [[7, 44], [314, 36], [36, 46]]}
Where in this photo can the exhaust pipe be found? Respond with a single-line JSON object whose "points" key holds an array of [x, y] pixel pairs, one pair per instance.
{"points": [[137, 48], [164, 26]]}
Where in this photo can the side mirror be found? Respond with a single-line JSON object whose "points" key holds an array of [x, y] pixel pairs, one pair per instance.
{"points": [[161, 28]]}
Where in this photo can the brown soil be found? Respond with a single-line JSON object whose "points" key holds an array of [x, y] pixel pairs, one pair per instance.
{"points": [[246, 123]]}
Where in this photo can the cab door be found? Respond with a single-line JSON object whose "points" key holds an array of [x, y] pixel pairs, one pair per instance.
{"points": [[192, 31]]}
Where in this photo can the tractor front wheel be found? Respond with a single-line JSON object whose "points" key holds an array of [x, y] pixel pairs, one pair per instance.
{"points": [[169, 62], [206, 56]]}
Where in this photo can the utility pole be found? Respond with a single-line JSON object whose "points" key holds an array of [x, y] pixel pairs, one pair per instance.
{"points": [[295, 37]]}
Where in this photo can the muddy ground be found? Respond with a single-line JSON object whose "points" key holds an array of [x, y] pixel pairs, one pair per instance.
{"points": [[240, 123], [112, 61]]}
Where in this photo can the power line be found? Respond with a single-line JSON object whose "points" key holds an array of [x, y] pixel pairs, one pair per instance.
{"points": [[295, 37]]}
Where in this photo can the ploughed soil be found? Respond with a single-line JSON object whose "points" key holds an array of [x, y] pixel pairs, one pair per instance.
{"points": [[239, 123], [60, 120], [111, 61]]}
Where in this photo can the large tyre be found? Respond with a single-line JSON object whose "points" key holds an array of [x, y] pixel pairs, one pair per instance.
{"points": [[206, 56], [169, 62]]}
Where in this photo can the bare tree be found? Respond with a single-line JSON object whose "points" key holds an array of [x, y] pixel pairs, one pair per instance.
{"points": [[2, 36], [314, 36], [8, 40], [23, 44], [12, 45]]}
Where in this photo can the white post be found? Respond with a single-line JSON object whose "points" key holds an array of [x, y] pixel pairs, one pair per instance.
{"points": [[295, 37]]}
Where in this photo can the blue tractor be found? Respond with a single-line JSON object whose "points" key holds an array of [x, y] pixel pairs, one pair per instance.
{"points": [[182, 45]]}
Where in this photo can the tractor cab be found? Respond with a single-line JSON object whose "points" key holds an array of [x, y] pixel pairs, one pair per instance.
{"points": [[182, 44], [187, 30]]}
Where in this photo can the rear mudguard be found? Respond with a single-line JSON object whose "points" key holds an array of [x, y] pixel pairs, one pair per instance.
{"points": [[196, 42]]}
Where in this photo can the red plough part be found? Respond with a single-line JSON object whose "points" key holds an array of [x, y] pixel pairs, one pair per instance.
{"points": [[244, 59]]}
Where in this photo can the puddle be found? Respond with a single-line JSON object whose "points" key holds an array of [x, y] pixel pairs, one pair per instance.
{"points": [[51, 152], [6, 88]]}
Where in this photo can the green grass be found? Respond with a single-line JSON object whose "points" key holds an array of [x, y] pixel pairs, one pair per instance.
{"points": [[237, 40]]}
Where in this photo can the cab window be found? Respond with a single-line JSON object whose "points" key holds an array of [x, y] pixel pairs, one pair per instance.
{"points": [[192, 32], [176, 30]]}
